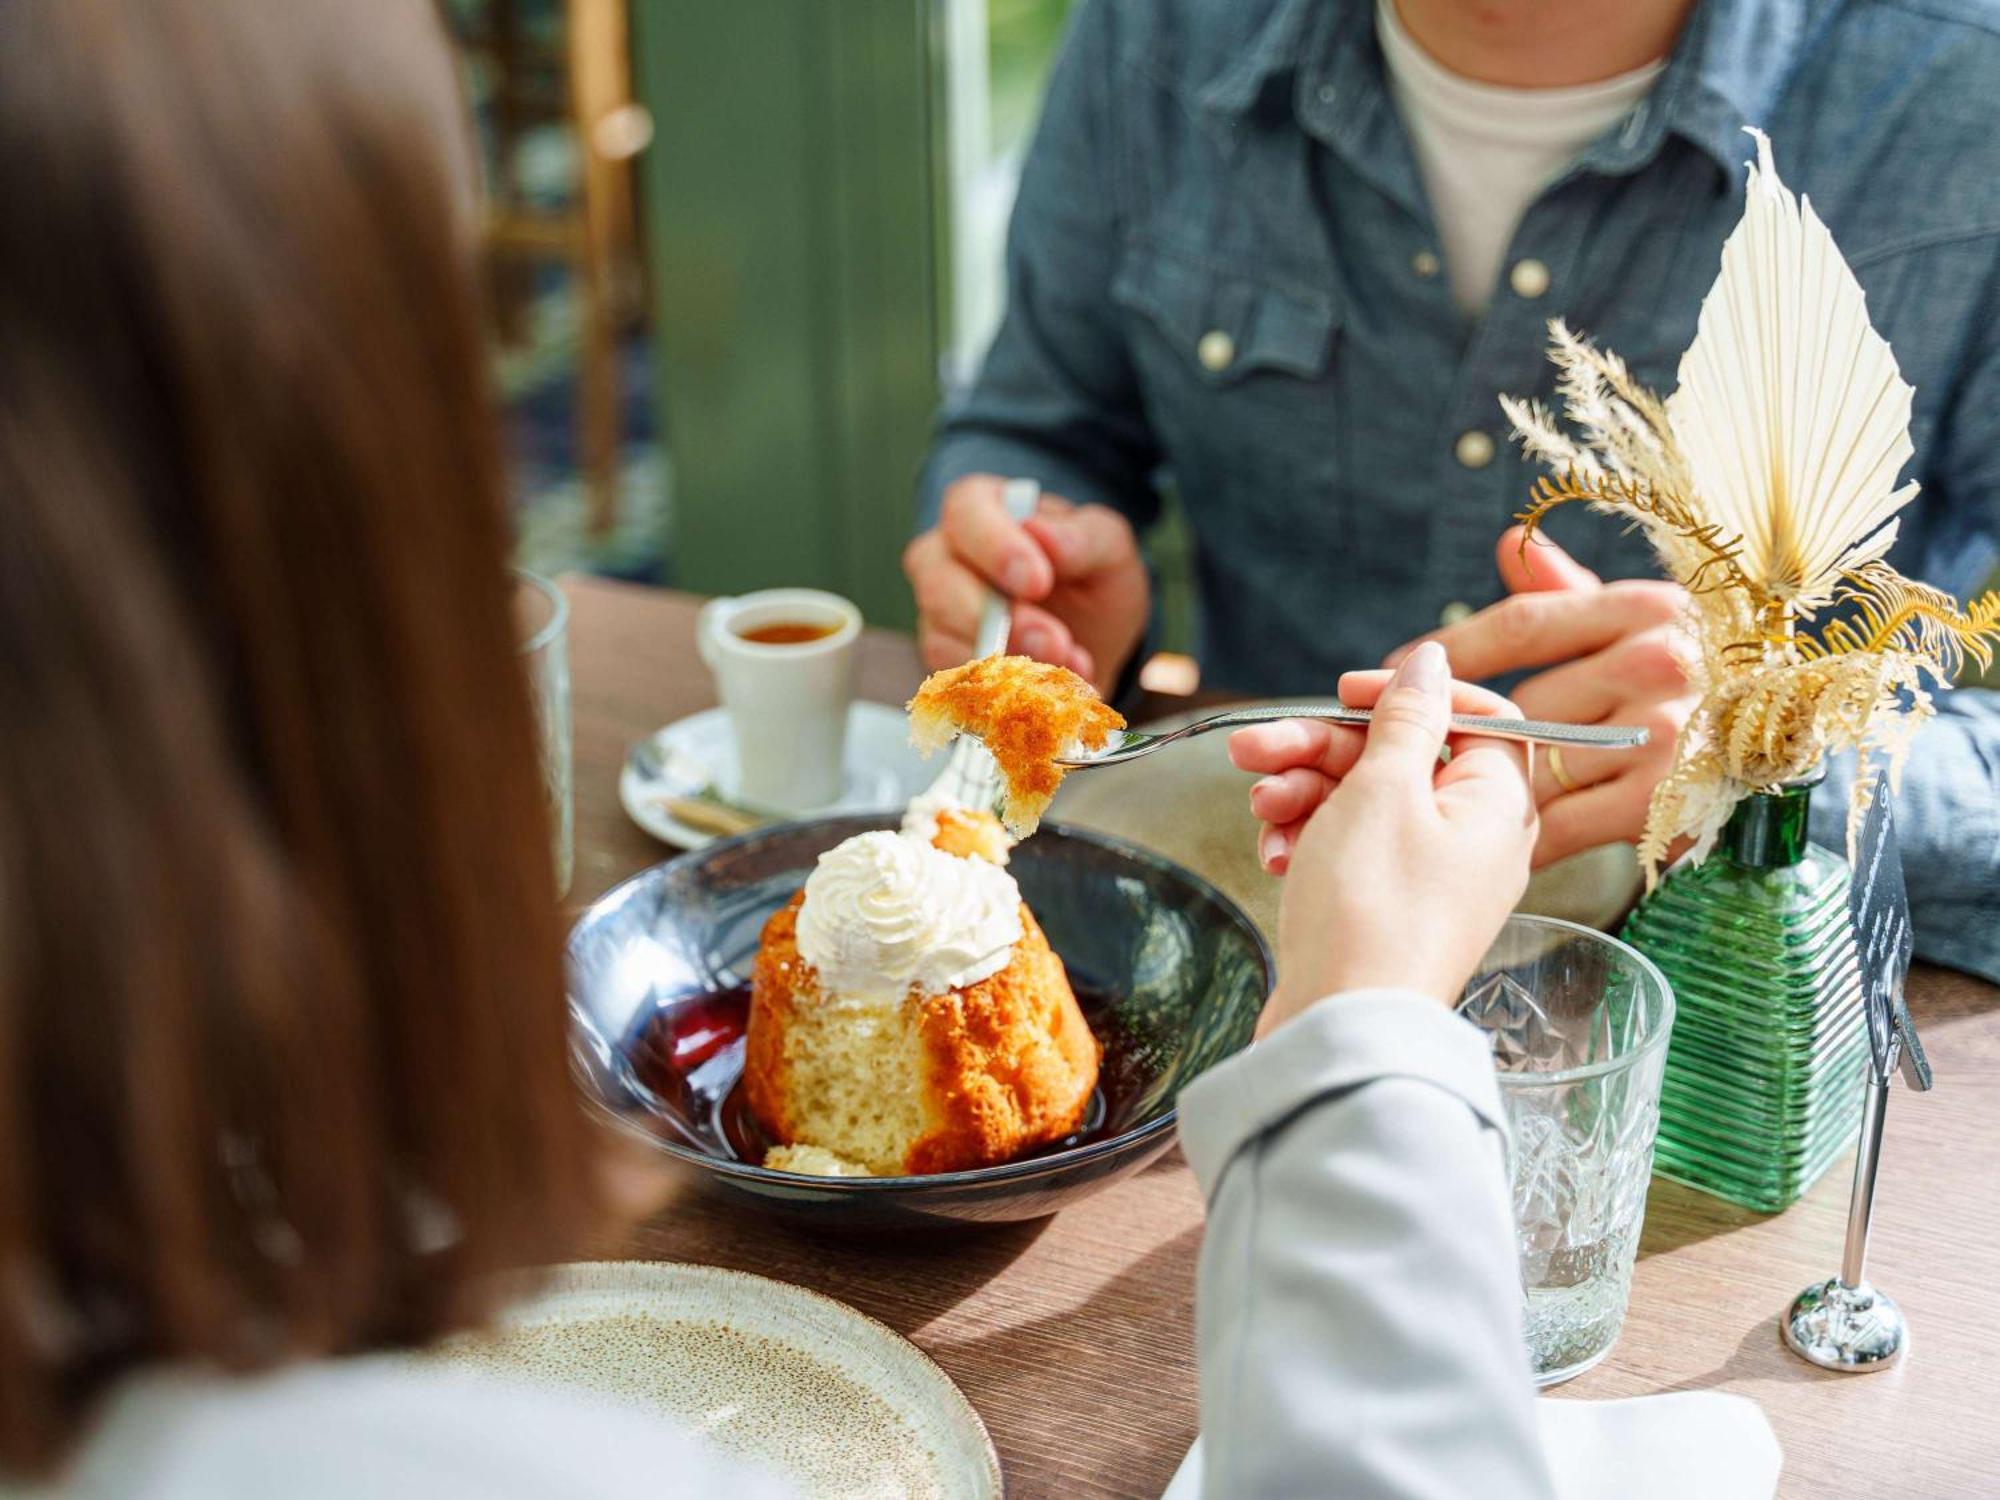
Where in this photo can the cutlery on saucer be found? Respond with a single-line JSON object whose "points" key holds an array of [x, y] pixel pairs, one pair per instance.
{"points": [[701, 806]]}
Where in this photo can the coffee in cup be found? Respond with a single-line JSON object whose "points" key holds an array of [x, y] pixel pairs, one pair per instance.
{"points": [[783, 661], [787, 632]]}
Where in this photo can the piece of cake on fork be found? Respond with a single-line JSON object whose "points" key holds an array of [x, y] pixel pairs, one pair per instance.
{"points": [[1028, 713]]}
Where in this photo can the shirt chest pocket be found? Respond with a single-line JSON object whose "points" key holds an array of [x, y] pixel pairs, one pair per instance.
{"points": [[1239, 380]]}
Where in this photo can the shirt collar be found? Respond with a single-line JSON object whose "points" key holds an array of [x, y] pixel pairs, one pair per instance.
{"points": [[1276, 48], [1725, 73], [1727, 69]]}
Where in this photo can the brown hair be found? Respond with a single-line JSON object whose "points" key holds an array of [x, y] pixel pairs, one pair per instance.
{"points": [[282, 1051]]}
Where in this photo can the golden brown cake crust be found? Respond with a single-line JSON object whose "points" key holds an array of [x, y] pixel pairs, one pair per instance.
{"points": [[1026, 712], [1010, 1062], [775, 978], [972, 835]]}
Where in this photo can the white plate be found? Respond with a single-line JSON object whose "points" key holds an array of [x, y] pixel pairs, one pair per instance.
{"points": [[884, 770], [797, 1383], [1190, 804]]}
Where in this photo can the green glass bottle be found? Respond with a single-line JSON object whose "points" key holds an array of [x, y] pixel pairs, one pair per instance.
{"points": [[1763, 1081]]}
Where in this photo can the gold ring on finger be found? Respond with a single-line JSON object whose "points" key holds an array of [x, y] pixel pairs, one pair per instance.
{"points": [[1557, 770]]}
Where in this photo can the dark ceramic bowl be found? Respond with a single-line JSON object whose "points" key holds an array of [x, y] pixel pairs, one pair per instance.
{"points": [[1170, 974]]}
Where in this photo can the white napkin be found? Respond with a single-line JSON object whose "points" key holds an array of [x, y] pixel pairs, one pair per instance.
{"points": [[1675, 1447]]}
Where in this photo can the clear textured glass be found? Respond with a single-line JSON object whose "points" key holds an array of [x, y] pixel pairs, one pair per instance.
{"points": [[1579, 1023], [1763, 1081], [542, 614]]}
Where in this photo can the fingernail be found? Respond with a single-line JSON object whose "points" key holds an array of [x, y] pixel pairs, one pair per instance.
{"points": [[1262, 789], [1395, 658], [1425, 669], [1036, 641], [1271, 848], [1017, 575]]}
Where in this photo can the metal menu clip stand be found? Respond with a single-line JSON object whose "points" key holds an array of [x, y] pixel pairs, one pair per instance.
{"points": [[1845, 1324]]}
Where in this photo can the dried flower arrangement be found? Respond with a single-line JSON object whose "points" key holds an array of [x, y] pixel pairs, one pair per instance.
{"points": [[1767, 485]]}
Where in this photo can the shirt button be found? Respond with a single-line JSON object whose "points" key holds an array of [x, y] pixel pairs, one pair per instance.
{"points": [[1328, 93], [1425, 264], [1529, 278], [1454, 612], [1216, 350], [1474, 449]]}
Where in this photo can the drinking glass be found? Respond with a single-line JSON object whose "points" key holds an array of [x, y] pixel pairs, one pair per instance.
{"points": [[1579, 1025], [542, 614]]}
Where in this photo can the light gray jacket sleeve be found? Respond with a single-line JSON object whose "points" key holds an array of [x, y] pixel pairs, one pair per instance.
{"points": [[1359, 1309]]}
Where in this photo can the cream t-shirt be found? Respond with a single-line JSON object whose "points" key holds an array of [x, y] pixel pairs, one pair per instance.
{"points": [[1485, 152]]}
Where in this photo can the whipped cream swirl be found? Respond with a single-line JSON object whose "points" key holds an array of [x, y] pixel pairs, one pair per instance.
{"points": [[886, 914]]}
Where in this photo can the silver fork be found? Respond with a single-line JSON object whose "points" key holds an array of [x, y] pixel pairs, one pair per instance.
{"points": [[1131, 744], [971, 777]]}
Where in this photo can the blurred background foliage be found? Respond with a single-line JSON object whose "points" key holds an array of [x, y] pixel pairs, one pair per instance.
{"points": [[1021, 38]]}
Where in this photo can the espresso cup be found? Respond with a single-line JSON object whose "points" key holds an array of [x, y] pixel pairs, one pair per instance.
{"points": [[787, 694]]}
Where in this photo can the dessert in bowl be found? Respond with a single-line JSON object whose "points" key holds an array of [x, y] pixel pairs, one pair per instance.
{"points": [[885, 1021], [1169, 974]]}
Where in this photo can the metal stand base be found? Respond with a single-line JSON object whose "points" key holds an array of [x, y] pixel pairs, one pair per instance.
{"points": [[1853, 1329]]}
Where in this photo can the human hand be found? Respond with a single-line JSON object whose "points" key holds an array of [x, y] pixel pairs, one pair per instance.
{"points": [[1080, 591], [1398, 871], [1614, 655], [1302, 761]]}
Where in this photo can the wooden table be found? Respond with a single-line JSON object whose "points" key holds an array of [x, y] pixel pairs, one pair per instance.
{"points": [[1074, 1337]]}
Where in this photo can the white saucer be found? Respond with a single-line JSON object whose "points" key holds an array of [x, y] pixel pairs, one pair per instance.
{"points": [[883, 772], [794, 1382]]}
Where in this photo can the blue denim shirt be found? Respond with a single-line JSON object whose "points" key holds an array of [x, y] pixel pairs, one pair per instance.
{"points": [[1238, 168]]}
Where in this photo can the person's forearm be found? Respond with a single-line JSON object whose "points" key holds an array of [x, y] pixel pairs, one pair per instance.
{"points": [[1360, 1328], [1948, 826]]}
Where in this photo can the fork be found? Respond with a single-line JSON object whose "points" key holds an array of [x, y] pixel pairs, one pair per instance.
{"points": [[1133, 744], [971, 777]]}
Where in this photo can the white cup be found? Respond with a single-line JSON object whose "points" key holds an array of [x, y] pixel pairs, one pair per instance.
{"points": [[787, 702]]}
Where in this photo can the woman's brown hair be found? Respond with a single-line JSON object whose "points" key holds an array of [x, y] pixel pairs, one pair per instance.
{"points": [[282, 1066]]}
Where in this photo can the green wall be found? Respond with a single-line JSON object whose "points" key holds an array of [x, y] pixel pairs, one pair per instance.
{"points": [[789, 206]]}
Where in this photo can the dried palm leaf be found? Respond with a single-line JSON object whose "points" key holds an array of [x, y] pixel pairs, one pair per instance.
{"points": [[1791, 412], [1767, 485]]}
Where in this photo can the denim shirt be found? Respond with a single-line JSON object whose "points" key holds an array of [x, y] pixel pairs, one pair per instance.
{"points": [[1223, 276]]}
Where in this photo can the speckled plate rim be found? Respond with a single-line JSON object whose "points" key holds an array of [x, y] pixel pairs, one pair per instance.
{"points": [[584, 1034], [663, 1289]]}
